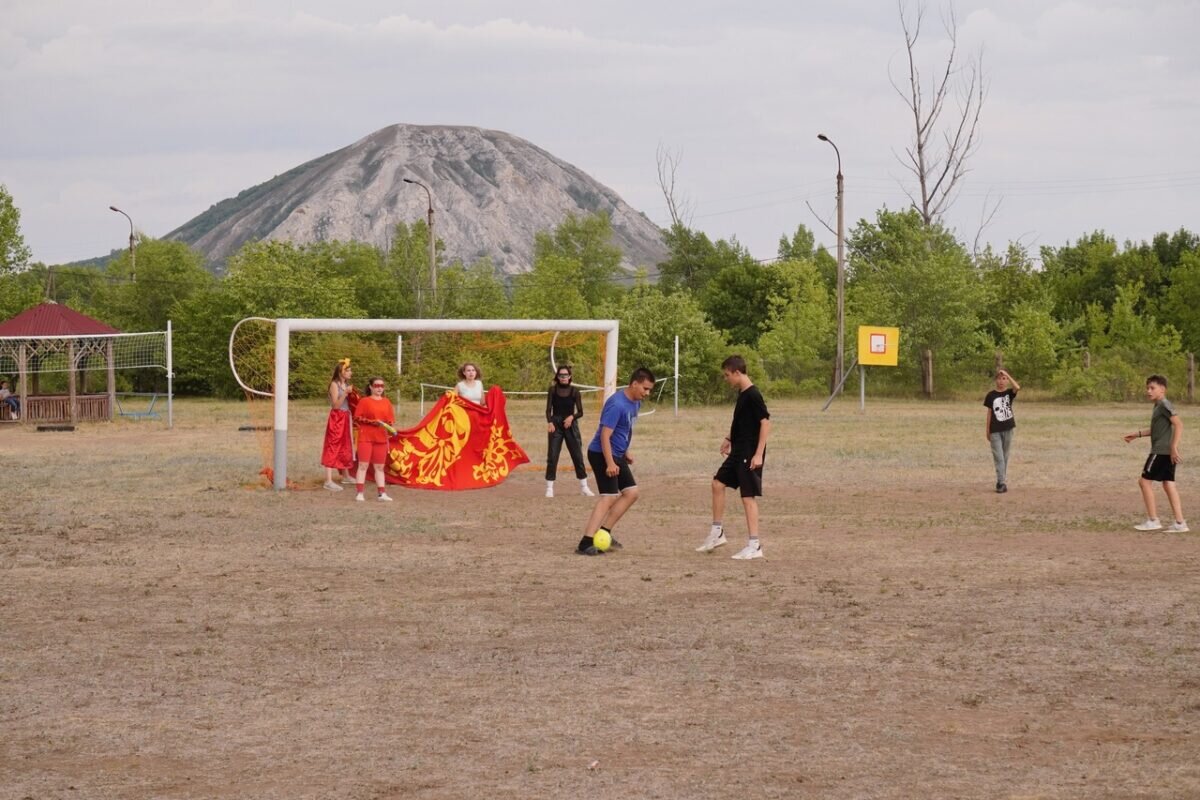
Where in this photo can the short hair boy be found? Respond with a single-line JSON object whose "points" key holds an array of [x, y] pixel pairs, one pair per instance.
{"points": [[1166, 429], [1000, 423], [745, 449], [609, 457]]}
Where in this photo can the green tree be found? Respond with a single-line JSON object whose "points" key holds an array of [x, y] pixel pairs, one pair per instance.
{"points": [[1181, 304], [14, 254], [167, 273], [587, 240], [695, 260], [795, 350], [551, 290], [650, 321], [919, 278], [1082, 273], [474, 292], [1032, 340]]}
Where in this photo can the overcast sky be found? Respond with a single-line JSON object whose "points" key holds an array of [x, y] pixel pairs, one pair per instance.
{"points": [[164, 108]]}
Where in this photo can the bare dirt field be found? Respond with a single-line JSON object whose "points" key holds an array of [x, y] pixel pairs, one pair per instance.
{"points": [[167, 630]]}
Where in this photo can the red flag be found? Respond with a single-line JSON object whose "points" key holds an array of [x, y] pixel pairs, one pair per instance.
{"points": [[459, 445]]}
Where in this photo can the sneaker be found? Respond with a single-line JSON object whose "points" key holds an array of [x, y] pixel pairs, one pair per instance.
{"points": [[383, 498], [716, 538], [586, 490], [549, 490], [589, 551], [333, 487], [1149, 525], [348, 481], [360, 498], [1179, 527], [614, 544], [1001, 488], [748, 552]]}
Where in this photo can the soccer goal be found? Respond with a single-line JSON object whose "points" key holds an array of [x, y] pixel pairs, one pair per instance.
{"points": [[284, 328]]}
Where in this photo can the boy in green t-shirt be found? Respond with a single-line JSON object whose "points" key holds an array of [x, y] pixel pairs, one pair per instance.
{"points": [[1166, 429]]}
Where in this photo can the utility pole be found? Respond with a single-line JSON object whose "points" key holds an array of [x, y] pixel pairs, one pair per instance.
{"points": [[432, 240], [841, 265], [132, 250]]}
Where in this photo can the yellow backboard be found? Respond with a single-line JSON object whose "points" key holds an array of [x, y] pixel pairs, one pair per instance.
{"points": [[878, 346]]}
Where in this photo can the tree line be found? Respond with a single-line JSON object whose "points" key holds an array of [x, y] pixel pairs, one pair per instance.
{"points": [[1087, 323]]}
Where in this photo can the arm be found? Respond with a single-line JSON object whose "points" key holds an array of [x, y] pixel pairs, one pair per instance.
{"points": [[1129, 437], [1176, 435], [987, 424], [764, 430], [336, 394], [1016, 386], [611, 469], [550, 410]]}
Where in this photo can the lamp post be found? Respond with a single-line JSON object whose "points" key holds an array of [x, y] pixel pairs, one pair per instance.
{"points": [[432, 241], [841, 266], [132, 252]]}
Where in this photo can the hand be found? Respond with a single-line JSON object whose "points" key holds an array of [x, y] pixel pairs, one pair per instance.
{"points": [[1129, 437], [1175, 457], [612, 470], [628, 458], [567, 422], [756, 461], [725, 447], [549, 427]]}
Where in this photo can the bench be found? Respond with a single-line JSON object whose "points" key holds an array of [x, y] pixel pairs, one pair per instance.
{"points": [[147, 413]]}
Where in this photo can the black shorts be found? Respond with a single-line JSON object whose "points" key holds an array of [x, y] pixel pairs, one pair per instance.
{"points": [[735, 473], [607, 484], [1159, 468]]}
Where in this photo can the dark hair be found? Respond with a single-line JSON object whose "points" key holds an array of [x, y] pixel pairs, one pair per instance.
{"points": [[734, 363], [563, 368], [1159, 379], [641, 374], [338, 369], [373, 378], [478, 371]]}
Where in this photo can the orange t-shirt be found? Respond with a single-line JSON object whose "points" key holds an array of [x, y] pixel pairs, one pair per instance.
{"points": [[369, 411]]}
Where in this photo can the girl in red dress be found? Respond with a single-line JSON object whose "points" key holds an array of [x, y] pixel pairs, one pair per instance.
{"points": [[337, 453], [374, 417]]}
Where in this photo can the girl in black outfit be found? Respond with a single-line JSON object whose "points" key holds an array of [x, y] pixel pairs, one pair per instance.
{"points": [[564, 407]]}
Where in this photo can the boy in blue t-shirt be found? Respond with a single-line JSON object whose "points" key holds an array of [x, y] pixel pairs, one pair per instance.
{"points": [[609, 456]]}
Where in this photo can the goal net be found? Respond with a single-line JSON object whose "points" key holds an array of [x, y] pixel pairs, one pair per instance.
{"points": [[519, 355]]}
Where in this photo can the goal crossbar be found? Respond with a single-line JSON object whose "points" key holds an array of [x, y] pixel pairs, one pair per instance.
{"points": [[285, 327]]}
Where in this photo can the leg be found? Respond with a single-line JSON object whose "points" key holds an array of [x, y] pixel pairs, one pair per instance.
{"points": [[1173, 499], [751, 506], [599, 513], [718, 502], [998, 459], [1006, 438], [1147, 487], [554, 443], [617, 510], [575, 448]]}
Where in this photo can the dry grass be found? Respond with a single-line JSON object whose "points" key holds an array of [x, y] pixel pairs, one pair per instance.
{"points": [[169, 633]]}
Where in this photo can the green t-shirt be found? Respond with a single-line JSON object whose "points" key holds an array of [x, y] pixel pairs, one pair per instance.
{"points": [[1161, 428]]}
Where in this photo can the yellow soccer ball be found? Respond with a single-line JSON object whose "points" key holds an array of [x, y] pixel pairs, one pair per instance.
{"points": [[602, 540]]}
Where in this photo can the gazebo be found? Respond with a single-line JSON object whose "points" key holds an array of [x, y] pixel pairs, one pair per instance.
{"points": [[53, 338]]}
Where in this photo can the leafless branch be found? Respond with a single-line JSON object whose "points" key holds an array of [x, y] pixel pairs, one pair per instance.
{"points": [[678, 206]]}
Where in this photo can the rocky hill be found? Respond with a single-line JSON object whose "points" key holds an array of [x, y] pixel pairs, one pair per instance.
{"points": [[491, 193]]}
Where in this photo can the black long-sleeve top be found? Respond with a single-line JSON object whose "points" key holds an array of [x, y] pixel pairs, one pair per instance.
{"points": [[562, 404]]}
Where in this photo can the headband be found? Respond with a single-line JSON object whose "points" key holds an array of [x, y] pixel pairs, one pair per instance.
{"points": [[345, 362]]}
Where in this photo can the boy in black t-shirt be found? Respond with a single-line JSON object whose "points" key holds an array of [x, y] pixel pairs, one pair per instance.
{"points": [[1000, 422], [744, 449]]}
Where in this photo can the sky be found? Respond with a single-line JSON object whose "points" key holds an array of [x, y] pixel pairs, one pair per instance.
{"points": [[1091, 119]]}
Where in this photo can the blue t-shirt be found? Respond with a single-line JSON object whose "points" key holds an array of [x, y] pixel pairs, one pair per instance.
{"points": [[619, 414]]}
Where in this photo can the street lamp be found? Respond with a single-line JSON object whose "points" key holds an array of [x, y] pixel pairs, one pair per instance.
{"points": [[132, 252], [841, 267], [432, 258]]}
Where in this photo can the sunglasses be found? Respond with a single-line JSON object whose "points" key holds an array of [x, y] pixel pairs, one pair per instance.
{"points": [[378, 386], [564, 374]]}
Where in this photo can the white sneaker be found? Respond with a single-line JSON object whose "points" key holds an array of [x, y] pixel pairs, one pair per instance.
{"points": [[359, 497], [586, 490], [749, 551], [1179, 527], [1149, 525], [348, 481], [716, 538], [549, 489], [383, 498], [333, 487]]}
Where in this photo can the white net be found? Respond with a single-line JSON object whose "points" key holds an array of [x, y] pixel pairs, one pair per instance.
{"points": [[54, 354]]}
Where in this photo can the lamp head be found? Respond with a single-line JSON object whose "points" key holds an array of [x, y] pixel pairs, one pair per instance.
{"points": [[114, 208], [822, 137], [409, 180]]}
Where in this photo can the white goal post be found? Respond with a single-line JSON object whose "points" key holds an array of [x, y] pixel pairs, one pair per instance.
{"points": [[285, 327]]}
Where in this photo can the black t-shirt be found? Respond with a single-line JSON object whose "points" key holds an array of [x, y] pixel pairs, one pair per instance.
{"points": [[1000, 404], [749, 412]]}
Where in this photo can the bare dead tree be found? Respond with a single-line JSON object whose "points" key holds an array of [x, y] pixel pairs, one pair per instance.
{"points": [[678, 206], [944, 138]]}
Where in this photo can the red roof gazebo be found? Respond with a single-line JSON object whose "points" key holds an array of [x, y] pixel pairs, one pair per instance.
{"points": [[53, 333]]}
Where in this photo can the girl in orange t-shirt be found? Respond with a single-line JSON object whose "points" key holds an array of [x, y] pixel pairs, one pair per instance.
{"points": [[374, 417]]}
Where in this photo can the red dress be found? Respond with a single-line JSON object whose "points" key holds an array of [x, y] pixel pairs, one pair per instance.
{"points": [[338, 449]]}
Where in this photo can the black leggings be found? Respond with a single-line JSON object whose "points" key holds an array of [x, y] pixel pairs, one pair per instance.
{"points": [[574, 447]]}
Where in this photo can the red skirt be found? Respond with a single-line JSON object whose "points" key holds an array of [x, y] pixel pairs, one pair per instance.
{"points": [[338, 450]]}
